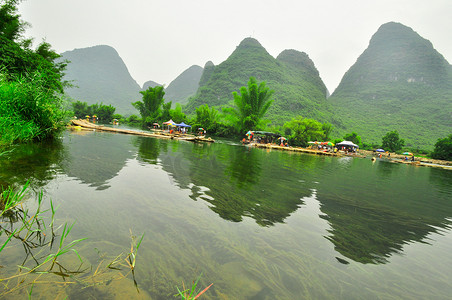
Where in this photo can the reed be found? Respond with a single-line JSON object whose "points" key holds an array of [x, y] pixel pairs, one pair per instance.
{"points": [[191, 293]]}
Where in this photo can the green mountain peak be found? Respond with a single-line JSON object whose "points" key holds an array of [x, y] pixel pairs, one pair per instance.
{"points": [[293, 76], [400, 82]]}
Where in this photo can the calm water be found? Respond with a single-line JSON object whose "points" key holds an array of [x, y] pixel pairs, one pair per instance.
{"points": [[258, 224]]}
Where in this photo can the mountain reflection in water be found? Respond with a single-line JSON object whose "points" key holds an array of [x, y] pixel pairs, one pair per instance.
{"points": [[373, 210]]}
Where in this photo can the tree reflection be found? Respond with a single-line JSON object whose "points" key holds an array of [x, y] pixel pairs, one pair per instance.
{"points": [[237, 183], [148, 149], [33, 162], [244, 167], [372, 216]]}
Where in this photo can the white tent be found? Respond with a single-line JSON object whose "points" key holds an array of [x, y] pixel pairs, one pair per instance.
{"points": [[347, 143]]}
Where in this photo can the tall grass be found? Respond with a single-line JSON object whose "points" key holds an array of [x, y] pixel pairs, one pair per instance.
{"points": [[28, 111]]}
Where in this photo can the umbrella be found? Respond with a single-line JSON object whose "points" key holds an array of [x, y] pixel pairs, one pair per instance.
{"points": [[407, 153], [311, 142], [200, 128], [249, 133], [327, 143], [170, 122], [380, 150], [282, 138]]}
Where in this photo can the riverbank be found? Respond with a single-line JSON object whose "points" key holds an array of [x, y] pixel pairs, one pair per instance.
{"points": [[390, 157], [85, 125], [419, 161]]}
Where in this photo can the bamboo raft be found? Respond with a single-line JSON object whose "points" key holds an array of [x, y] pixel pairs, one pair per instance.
{"points": [[85, 125], [295, 149]]}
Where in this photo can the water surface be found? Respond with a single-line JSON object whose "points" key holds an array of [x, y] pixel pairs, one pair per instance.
{"points": [[258, 224]]}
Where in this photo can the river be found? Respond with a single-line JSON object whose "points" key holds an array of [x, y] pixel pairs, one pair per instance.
{"points": [[258, 224]]}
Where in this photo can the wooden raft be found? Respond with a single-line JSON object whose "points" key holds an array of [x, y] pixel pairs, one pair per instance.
{"points": [[161, 135]]}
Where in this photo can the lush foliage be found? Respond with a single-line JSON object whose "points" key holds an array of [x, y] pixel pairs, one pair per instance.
{"points": [[28, 110], [177, 115], [443, 148], [392, 142], [30, 81], [103, 112], [353, 137], [251, 105], [206, 118], [302, 130], [150, 106]]}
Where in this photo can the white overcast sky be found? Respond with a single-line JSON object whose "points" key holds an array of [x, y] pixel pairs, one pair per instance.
{"points": [[159, 39]]}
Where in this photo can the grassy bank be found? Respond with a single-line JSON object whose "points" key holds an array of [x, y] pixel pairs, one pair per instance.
{"points": [[28, 111]]}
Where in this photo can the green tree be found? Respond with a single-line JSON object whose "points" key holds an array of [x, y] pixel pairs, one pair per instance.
{"points": [[105, 112], [17, 58], [443, 148], [166, 111], [302, 130], [327, 129], [177, 114], [31, 83], [150, 106], [353, 137], [80, 109], [206, 117], [392, 142], [252, 104]]}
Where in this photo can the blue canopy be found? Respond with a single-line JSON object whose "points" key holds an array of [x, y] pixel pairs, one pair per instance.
{"points": [[182, 125], [380, 150]]}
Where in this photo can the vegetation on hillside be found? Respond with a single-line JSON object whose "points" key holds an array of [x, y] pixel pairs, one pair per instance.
{"points": [[290, 76], [98, 74], [392, 142], [400, 82], [184, 86]]}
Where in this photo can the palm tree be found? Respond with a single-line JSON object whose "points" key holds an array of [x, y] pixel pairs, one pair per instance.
{"points": [[252, 104], [149, 107]]}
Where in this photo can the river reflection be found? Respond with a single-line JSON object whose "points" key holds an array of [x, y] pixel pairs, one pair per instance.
{"points": [[262, 224], [96, 158], [35, 163]]}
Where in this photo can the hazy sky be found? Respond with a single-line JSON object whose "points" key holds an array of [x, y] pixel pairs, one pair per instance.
{"points": [[159, 39]]}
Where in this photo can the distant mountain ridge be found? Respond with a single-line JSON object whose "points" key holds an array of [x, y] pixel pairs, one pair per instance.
{"points": [[149, 84], [184, 86], [100, 75], [400, 82]]}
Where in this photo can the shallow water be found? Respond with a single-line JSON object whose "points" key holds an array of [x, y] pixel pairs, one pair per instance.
{"points": [[258, 224]]}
